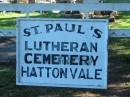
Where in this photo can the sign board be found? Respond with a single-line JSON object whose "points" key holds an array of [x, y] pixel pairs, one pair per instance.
{"points": [[62, 53]]}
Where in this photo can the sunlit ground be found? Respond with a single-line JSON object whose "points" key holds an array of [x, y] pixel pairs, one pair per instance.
{"points": [[123, 21], [118, 66], [8, 19]]}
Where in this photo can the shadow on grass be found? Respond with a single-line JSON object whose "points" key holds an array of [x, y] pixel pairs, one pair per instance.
{"points": [[7, 22], [11, 22], [118, 77]]}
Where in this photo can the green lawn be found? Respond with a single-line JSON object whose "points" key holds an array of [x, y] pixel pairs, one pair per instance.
{"points": [[123, 21], [118, 78], [8, 20], [118, 67]]}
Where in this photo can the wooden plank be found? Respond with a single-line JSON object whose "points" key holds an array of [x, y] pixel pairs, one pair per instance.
{"points": [[119, 32], [8, 45], [7, 49], [8, 56], [8, 32], [112, 32], [64, 7]]}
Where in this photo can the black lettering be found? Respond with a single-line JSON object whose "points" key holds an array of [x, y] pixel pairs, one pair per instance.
{"points": [[38, 45], [70, 30], [26, 46], [56, 46], [97, 74], [65, 59], [55, 72], [74, 60], [84, 47], [40, 70], [48, 71], [55, 58], [49, 27], [36, 29], [58, 28], [64, 46], [63, 72], [27, 56], [81, 74], [79, 29], [88, 74], [93, 47], [46, 45], [23, 71], [37, 59], [73, 73], [94, 60], [97, 33], [46, 59], [84, 60], [33, 72], [27, 32], [74, 47]]}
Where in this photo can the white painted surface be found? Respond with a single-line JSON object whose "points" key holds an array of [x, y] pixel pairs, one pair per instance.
{"points": [[64, 7], [119, 32], [91, 1], [83, 33], [112, 32], [8, 32]]}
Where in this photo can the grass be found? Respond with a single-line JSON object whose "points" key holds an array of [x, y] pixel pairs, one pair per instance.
{"points": [[123, 21], [9, 20], [118, 74], [118, 78]]}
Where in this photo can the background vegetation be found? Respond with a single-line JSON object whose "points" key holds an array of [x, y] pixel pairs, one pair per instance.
{"points": [[8, 20], [119, 65]]}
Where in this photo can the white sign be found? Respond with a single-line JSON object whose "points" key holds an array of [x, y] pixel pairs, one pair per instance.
{"points": [[62, 53]]}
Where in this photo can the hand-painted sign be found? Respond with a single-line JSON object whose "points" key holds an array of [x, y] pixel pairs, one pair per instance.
{"points": [[62, 53]]}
